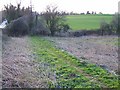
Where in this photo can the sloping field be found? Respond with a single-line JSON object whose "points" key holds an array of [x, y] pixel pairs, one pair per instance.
{"points": [[81, 22], [101, 50], [71, 72], [36, 62]]}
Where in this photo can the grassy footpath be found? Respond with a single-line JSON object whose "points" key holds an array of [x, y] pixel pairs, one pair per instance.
{"points": [[71, 72], [79, 22]]}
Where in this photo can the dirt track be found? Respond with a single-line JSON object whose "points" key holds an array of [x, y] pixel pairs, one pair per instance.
{"points": [[99, 50]]}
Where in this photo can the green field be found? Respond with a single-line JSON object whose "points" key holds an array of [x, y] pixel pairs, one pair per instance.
{"points": [[80, 22], [71, 72]]}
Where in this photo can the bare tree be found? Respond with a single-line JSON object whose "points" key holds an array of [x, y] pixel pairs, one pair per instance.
{"points": [[12, 12], [54, 19]]}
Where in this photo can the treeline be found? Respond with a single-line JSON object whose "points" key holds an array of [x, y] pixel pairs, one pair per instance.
{"points": [[73, 13]]}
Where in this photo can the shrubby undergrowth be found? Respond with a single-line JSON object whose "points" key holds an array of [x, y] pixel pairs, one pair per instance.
{"points": [[112, 27]]}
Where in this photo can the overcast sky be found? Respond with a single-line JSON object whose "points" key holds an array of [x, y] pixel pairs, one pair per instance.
{"points": [[105, 6]]}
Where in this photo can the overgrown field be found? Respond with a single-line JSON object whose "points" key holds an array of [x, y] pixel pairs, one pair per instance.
{"points": [[70, 71], [79, 22]]}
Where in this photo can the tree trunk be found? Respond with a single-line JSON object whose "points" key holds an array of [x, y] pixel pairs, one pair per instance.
{"points": [[52, 32]]}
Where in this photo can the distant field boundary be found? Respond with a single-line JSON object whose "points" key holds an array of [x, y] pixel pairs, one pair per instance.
{"points": [[93, 15], [87, 22]]}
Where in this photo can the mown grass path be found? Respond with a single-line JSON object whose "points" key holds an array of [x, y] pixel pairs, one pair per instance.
{"points": [[70, 71]]}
